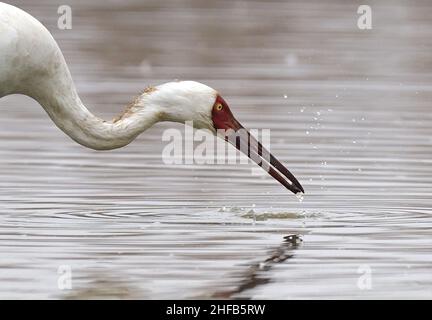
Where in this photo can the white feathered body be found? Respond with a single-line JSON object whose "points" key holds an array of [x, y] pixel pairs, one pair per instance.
{"points": [[30, 60], [31, 63]]}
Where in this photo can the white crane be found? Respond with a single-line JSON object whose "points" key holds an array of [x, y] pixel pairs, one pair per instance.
{"points": [[31, 63]]}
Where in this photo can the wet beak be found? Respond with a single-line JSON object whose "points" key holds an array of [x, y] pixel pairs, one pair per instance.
{"points": [[238, 136]]}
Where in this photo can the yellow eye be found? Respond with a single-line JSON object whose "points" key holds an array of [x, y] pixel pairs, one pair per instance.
{"points": [[219, 107]]}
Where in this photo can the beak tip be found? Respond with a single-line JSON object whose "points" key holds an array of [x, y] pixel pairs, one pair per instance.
{"points": [[298, 190], [297, 186]]}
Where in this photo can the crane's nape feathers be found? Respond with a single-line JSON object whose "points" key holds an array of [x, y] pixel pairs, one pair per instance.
{"points": [[131, 106]]}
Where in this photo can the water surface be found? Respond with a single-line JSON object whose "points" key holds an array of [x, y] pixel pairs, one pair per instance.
{"points": [[350, 116]]}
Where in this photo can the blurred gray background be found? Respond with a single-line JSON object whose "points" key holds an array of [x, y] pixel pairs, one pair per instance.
{"points": [[350, 115]]}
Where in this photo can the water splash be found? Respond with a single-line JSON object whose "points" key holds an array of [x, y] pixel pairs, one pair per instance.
{"points": [[300, 196]]}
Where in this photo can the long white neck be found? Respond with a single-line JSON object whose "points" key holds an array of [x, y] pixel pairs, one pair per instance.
{"points": [[60, 100], [31, 63]]}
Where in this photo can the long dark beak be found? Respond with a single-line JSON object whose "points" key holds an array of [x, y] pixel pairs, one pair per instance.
{"points": [[238, 136]]}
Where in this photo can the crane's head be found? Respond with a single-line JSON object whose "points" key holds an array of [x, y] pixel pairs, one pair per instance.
{"points": [[194, 102]]}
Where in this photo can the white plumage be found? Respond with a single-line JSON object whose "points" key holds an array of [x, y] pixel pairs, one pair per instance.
{"points": [[32, 64]]}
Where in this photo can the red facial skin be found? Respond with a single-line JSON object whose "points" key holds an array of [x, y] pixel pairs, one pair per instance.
{"points": [[223, 118]]}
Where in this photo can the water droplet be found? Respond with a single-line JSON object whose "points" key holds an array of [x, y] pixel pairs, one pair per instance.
{"points": [[307, 132], [300, 196], [285, 96]]}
